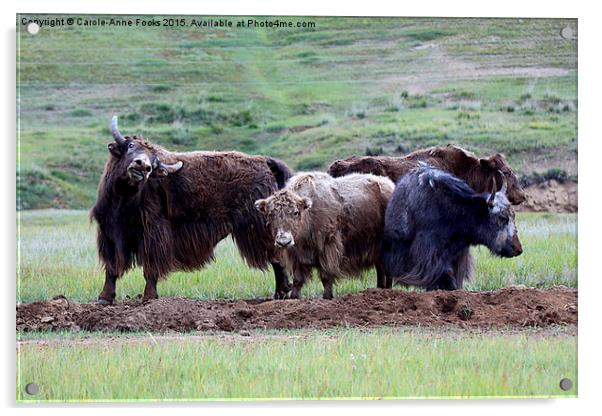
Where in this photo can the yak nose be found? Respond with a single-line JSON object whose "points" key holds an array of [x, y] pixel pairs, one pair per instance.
{"points": [[518, 250], [517, 246], [144, 163]]}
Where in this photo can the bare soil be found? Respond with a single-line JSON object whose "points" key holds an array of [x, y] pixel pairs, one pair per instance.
{"points": [[551, 196], [515, 307]]}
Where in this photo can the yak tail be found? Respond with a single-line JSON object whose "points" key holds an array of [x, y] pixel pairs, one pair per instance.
{"points": [[281, 172]]}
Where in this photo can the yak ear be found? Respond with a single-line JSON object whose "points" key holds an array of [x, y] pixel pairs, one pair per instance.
{"points": [[306, 203], [261, 205], [114, 149], [160, 172]]}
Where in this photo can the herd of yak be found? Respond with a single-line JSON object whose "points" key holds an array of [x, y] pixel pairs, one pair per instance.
{"points": [[412, 218]]}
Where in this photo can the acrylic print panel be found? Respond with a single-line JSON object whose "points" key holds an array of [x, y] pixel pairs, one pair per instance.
{"points": [[183, 280]]}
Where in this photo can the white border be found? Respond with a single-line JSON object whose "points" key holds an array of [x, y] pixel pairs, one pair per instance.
{"points": [[590, 130]]}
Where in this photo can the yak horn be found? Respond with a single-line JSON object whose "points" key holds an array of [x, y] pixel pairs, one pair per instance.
{"points": [[173, 167], [492, 195], [115, 130]]}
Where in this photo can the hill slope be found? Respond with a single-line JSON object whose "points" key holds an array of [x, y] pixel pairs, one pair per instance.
{"points": [[307, 96]]}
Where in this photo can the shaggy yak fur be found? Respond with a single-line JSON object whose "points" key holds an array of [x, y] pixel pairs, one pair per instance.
{"points": [[167, 211], [432, 219], [333, 225], [477, 172]]}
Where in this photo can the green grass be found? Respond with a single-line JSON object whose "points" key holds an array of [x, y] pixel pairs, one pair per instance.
{"points": [[390, 83], [382, 363], [57, 256]]}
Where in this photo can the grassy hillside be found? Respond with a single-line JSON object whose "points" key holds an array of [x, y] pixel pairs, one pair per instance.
{"points": [[307, 96]]}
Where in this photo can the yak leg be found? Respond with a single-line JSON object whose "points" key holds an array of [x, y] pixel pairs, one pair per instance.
{"points": [[150, 290], [382, 280], [299, 277], [327, 281], [282, 284], [107, 296], [447, 281]]}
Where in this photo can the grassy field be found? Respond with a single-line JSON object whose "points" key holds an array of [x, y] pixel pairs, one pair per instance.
{"points": [[57, 256], [308, 96], [351, 363]]}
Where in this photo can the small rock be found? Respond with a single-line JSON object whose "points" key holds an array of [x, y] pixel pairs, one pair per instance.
{"points": [[245, 333], [46, 319]]}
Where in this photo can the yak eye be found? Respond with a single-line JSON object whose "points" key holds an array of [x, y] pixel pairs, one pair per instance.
{"points": [[296, 213], [131, 145]]}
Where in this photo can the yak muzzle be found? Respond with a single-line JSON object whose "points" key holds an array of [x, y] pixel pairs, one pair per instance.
{"points": [[517, 198], [284, 239], [513, 250], [140, 168]]}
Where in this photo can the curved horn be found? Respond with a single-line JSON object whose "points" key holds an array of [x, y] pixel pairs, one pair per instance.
{"points": [[115, 130], [492, 195], [504, 183], [173, 167]]}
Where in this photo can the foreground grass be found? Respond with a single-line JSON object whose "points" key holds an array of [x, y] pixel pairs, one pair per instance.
{"points": [[383, 363], [57, 255]]}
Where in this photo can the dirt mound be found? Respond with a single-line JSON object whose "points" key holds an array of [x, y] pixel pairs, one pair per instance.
{"points": [[551, 196], [512, 307]]}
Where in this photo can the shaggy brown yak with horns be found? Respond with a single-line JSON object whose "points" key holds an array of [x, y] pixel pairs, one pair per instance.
{"points": [[167, 211], [477, 172]]}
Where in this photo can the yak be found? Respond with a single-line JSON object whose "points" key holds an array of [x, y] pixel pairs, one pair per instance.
{"points": [[477, 172], [332, 224], [432, 219], [167, 211]]}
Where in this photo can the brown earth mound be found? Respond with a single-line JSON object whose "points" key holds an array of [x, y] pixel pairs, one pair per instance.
{"points": [[512, 307], [550, 196]]}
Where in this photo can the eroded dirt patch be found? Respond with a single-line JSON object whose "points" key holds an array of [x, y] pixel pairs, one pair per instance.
{"points": [[551, 196], [511, 307]]}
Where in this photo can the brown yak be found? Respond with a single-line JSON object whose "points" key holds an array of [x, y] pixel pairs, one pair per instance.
{"points": [[166, 211], [477, 172], [332, 224]]}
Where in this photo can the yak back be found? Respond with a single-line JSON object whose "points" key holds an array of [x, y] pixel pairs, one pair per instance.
{"points": [[347, 212], [390, 166]]}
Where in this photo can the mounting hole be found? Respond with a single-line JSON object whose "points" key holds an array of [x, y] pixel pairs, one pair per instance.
{"points": [[567, 32], [566, 384], [33, 28], [32, 389]]}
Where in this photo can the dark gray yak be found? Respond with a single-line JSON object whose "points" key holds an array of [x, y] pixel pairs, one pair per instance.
{"points": [[431, 221]]}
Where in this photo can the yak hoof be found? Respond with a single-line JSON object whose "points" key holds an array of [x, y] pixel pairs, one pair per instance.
{"points": [[280, 295], [104, 302]]}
